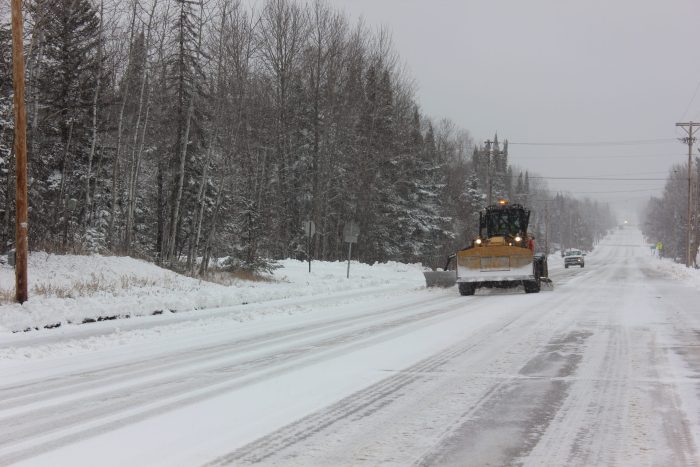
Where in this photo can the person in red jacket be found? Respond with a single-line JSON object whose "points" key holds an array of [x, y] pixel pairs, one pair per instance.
{"points": [[531, 244]]}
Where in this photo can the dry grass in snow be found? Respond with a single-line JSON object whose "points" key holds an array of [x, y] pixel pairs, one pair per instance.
{"points": [[72, 289]]}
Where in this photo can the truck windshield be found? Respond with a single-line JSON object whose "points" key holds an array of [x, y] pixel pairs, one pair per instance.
{"points": [[504, 223]]}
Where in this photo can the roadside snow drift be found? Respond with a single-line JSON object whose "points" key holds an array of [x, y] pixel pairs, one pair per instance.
{"points": [[69, 289]]}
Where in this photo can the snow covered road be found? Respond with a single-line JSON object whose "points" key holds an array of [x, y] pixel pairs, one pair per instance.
{"points": [[603, 370]]}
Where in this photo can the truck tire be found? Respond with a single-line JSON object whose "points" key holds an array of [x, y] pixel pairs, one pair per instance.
{"points": [[466, 288], [532, 286]]}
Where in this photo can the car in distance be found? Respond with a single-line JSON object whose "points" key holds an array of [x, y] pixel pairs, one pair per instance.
{"points": [[573, 257]]}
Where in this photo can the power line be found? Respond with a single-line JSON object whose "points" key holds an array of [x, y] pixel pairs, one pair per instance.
{"points": [[597, 178], [596, 143], [613, 191], [697, 88], [634, 197], [602, 175], [620, 156], [636, 173]]}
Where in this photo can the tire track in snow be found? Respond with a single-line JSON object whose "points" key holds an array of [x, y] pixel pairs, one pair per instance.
{"points": [[15, 396], [49, 427], [284, 445], [594, 409], [520, 408], [146, 322], [364, 402], [610, 402], [678, 361]]}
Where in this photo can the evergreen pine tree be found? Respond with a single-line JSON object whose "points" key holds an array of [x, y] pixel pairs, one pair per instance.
{"points": [[186, 85], [66, 82], [519, 189], [6, 138]]}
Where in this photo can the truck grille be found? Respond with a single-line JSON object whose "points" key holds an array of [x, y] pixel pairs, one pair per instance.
{"points": [[495, 263]]}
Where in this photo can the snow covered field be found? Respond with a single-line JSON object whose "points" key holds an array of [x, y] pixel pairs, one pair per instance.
{"points": [[72, 289], [603, 370]]}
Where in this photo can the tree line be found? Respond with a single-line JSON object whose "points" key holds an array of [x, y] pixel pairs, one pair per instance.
{"points": [[665, 217], [184, 130]]}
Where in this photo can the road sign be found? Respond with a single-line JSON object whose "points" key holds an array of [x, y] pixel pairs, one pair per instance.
{"points": [[309, 228], [351, 231], [309, 231]]}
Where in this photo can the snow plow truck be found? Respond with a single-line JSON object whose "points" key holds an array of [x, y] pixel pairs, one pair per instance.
{"points": [[503, 255]]}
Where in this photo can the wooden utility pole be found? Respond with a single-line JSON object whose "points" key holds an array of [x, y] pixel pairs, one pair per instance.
{"points": [[21, 218], [546, 227], [488, 172], [689, 128]]}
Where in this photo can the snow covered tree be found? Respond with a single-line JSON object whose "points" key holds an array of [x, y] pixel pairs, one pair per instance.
{"points": [[6, 138], [281, 37], [472, 201], [65, 82], [665, 218], [184, 82]]}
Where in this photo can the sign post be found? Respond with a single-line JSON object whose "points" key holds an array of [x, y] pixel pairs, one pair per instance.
{"points": [[350, 233], [309, 230]]}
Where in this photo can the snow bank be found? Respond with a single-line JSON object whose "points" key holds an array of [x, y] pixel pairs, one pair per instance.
{"points": [[69, 289], [668, 268]]}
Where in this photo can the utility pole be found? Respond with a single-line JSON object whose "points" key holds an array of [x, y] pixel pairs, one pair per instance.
{"points": [[488, 171], [690, 128], [546, 227], [21, 218]]}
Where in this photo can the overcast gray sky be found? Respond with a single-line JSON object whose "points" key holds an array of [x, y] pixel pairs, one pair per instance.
{"points": [[548, 71]]}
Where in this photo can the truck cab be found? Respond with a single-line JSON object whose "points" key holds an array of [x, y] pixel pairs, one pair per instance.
{"points": [[574, 257]]}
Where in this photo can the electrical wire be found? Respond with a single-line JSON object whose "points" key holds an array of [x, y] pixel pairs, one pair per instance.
{"points": [[596, 178], [596, 143], [626, 156], [605, 175], [612, 191], [635, 174], [697, 88]]}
